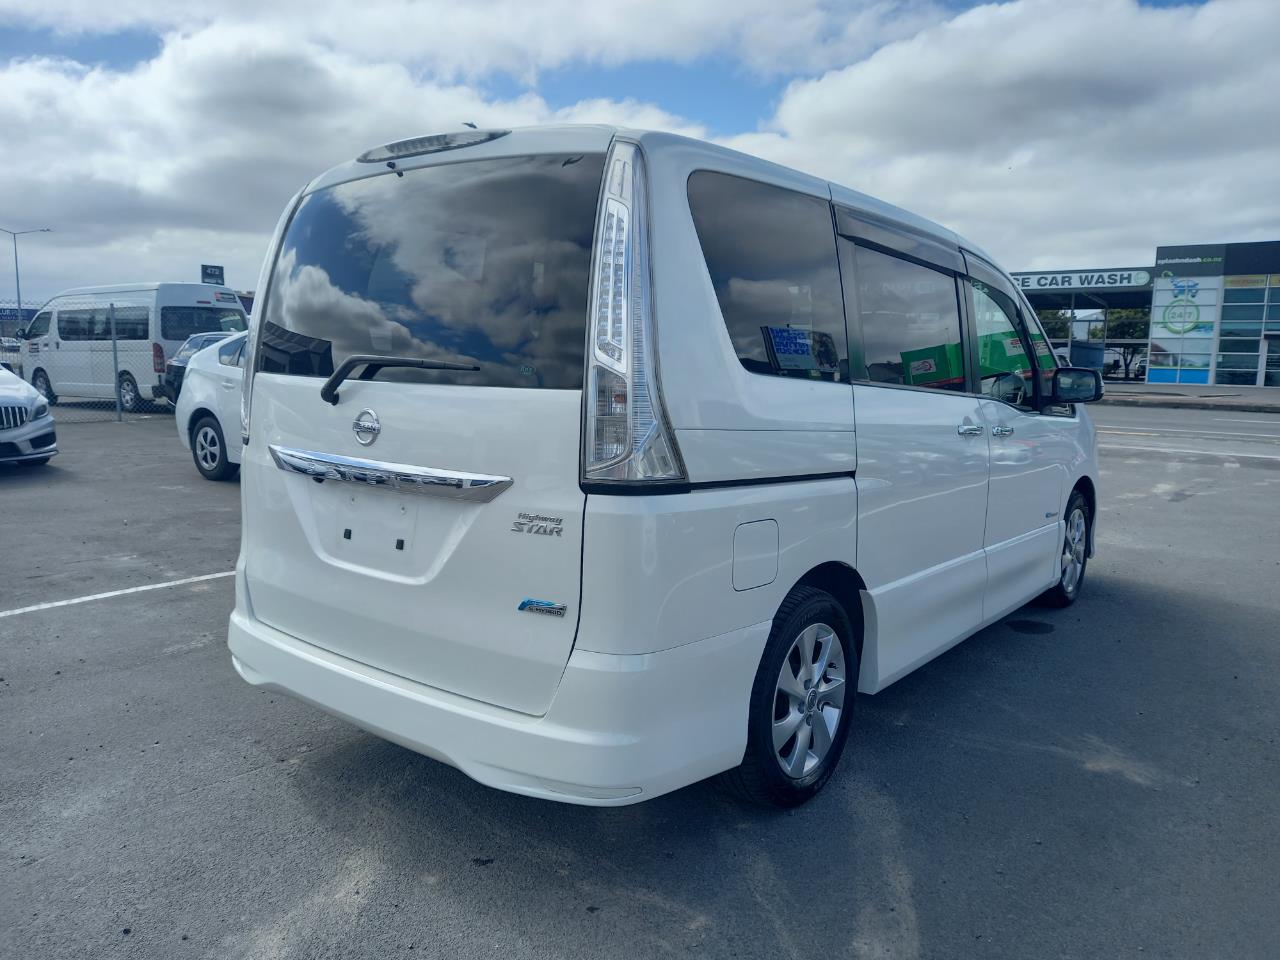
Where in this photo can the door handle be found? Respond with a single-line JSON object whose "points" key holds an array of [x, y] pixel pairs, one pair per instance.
{"points": [[969, 430], [1002, 431], [232, 386]]}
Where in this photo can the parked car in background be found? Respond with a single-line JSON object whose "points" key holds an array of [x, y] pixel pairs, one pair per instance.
{"points": [[26, 425], [67, 349], [11, 354], [175, 367], [596, 462], [207, 411]]}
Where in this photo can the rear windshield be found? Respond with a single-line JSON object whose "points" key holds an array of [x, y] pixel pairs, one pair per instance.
{"points": [[483, 263], [195, 344], [178, 323]]}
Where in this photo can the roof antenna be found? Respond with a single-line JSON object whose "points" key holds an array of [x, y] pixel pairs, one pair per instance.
{"points": [[468, 123]]}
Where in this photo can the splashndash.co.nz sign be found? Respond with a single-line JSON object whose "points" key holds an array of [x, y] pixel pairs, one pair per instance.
{"points": [[1127, 279]]}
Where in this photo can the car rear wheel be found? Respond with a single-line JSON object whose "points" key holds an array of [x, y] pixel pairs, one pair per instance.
{"points": [[802, 700], [209, 450]]}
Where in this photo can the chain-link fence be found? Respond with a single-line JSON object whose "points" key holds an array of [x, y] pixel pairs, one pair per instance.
{"points": [[95, 358]]}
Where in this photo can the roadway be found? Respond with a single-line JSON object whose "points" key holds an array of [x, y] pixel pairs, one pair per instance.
{"points": [[1094, 782], [1197, 433]]}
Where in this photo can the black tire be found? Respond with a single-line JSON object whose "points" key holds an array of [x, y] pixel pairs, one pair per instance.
{"points": [[761, 779], [40, 380], [130, 399], [1064, 593], [209, 450]]}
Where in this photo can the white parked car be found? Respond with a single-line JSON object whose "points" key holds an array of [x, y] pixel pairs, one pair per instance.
{"points": [[208, 408], [26, 427], [11, 353], [596, 462], [67, 350]]}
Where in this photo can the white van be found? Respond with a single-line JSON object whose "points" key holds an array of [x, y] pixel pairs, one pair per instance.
{"points": [[67, 349], [595, 462]]}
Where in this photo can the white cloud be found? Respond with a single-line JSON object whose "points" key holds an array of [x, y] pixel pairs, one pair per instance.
{"points": [[188, 158], [467, 40], [1058, 134], [1053, 134]]}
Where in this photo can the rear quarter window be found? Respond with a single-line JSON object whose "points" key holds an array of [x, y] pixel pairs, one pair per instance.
{"points": [[180, 322], [485, 263], [771, 255]]}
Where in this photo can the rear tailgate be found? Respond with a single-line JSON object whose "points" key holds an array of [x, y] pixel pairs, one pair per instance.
{"points": [[427, 586], [429, 523]]}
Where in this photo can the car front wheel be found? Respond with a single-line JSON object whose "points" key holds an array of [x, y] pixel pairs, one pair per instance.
{"points": [[1074, 555], [41, 382]]}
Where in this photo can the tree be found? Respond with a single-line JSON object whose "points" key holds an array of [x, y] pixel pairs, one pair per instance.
{"points": [[1056, 323], [1133, 326]]}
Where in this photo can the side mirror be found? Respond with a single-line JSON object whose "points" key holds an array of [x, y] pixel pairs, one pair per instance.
{"points": [[1076, 385]]}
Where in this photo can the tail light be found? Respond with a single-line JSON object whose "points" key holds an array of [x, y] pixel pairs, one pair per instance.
{"points": [[157, 358], [625, 434]]}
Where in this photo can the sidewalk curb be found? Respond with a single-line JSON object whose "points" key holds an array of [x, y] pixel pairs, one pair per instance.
{"points": [[1179, 403]]}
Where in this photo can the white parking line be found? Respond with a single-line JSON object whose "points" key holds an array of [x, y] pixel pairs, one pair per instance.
{"points": [[1271, 423], [1205, 433], [115, 593], [1202, 453]]}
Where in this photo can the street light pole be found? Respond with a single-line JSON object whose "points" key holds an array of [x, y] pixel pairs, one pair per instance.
{"points": [[17, 280]]}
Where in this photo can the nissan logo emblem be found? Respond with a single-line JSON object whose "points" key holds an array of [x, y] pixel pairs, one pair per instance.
{"points": [[366, 427]]}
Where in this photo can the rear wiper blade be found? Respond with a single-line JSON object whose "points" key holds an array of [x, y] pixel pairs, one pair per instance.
{"points": [[372, 364]]}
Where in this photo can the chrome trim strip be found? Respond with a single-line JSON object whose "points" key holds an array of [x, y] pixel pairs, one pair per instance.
{"points": [[473, 487]]}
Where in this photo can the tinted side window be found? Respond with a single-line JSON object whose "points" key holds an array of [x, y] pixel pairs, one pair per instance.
{"points": [[229, 353], [910, 322], [178, 323], [131, 323], [75, 324], [1046, 363], [772, 258], [1005, 371]]}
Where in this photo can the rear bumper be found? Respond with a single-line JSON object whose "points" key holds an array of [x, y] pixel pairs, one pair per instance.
{"points": [[171, 385], [619, 730], [31, 441]]}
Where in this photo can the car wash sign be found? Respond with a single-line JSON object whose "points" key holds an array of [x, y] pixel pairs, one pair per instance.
{"points": [[1129, 278]]}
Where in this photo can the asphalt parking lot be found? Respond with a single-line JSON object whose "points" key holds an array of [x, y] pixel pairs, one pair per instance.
{"points": [[1097, 782]]}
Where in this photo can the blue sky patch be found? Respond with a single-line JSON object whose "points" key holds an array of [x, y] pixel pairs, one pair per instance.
{"points": [[119, 51]]}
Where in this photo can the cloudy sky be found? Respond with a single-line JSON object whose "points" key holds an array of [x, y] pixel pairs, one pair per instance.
{"points": [[1056, 133]]}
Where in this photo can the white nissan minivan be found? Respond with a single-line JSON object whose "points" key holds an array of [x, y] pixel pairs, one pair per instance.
{"points": [[596, 462]]}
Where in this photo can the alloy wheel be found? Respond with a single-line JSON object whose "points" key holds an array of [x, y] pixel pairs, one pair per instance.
{"points": [[808, 701], [1074, 547], [208, 450]]}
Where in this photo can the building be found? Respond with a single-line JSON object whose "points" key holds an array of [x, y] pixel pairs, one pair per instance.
{"points": [[11, 321], [1215, 309]]}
